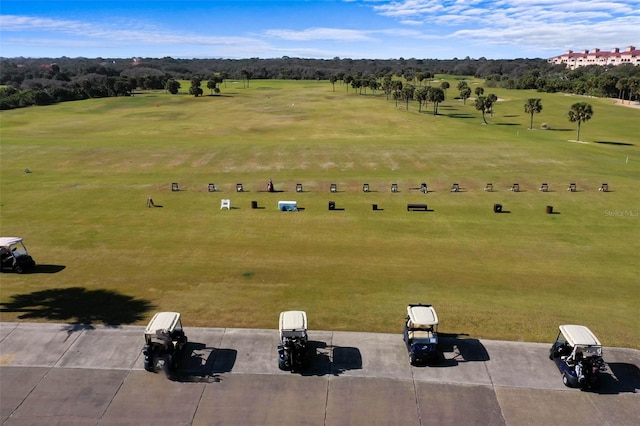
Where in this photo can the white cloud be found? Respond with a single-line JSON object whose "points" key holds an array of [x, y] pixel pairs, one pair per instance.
{"points": [[319, 34], [541, 25], [114, 35]]}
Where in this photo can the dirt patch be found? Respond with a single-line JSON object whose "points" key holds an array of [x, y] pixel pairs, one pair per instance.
{"points": [[628, 104]]}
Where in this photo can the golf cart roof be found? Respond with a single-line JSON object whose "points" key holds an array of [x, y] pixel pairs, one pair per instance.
{"points": [[163, 321], [7, 241], [579, 335], [422, 316], [293, 320]]}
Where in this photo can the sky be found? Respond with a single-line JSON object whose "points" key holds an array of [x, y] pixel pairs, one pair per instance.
{"points": [[323, 29]]}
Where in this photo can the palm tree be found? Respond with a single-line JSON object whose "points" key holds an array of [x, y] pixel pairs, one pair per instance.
{"points": [[483, 104], [397, 90], [333, 80], [444, 86], [579, 112], [247, 76], [532, 106], [479, 91], [421, 96], [436, 95], [493, 99], [465, 93], [407, 94]]}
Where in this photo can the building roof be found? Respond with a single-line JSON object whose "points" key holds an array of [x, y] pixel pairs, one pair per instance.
{"points": [[602, 55]]}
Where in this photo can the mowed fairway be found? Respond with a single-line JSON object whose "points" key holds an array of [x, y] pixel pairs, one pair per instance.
{"points": [[512, 276]]}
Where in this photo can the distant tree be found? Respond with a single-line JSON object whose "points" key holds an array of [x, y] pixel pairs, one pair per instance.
{"points": [[465, 93], [373, 84], [462, 85], [397, 90], [212, 85], [333, 80], [195, 88], [172, 86], [356, 84], [483, 104], [421, 95], [407, 94], [492, 99], [387, 85], [247, 76], [409, 76], [479, 91], [532, 106], [428, 76], [444, 86], [621, 85], [436, 95], [580, 112], [633, 86], [347, 81]]}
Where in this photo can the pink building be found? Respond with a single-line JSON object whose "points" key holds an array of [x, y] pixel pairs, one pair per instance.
{"points": [[573, 60]]}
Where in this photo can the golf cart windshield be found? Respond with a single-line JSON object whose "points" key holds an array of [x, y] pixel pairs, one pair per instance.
{"points": [[588, 350], [18, 249], [14, 245]]}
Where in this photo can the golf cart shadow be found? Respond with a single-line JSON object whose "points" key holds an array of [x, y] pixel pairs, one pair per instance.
{"points": [[203, 364], [47, 269], [345, 359], [455, 349], [323, 359], [621, 377]]}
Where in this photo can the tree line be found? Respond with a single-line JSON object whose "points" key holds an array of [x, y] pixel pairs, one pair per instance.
{"points": [[42, 81]]}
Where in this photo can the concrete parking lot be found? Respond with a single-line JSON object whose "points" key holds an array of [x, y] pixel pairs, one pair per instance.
{"points": [[58, 374]]}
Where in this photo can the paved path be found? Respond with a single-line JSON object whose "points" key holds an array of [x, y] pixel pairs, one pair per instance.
{"points": [[56, 375]]}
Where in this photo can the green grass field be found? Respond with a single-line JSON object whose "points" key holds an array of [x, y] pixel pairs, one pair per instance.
{"points": [[512, 276]]}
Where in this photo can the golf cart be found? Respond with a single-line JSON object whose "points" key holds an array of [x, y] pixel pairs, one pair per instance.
{"points": [[577, 353], [164, 339], [293, 339], [14, 255], [421, 333]]}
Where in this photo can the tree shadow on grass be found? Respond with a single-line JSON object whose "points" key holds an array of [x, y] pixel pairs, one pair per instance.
{"points": [[77, 305], [615, 143], [460, 115]]}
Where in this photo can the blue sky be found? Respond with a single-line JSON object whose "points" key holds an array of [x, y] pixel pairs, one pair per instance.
{"points": [[373, 29]]}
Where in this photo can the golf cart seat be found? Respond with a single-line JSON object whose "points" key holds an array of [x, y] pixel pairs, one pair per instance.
{"points": [[420, 334]]}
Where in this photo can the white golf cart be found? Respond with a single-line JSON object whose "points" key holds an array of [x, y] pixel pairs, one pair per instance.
{"points": [[293, 340], [577, 353], [164, 340], [421, 333], [14, 255]]}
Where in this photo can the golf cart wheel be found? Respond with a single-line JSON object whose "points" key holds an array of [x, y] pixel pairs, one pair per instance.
{"points": [[412, 359], [18, 269], [281, 364], [173, 365], [565, 380], [148, 364]]}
